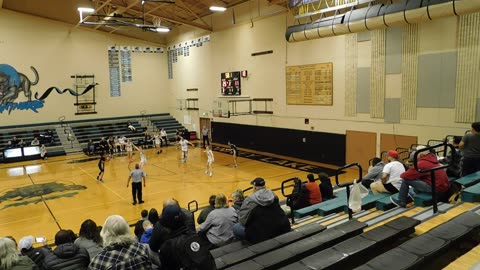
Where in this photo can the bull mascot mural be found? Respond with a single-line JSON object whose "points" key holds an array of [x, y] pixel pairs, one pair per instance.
{"points": [[12, 83]]}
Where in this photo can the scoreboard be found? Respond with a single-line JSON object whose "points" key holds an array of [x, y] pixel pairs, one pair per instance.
{"points": [[230, 83]]}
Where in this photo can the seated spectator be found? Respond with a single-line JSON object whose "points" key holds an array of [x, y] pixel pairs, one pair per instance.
{"points": [[121, 249], [374, 172], [211, 206], [66, 255], [131, 127], [326, 187], [391, 180], [184, 249], [299, 197], [89, 238], [260, 217], [25, 245], [139, 225], [10, 259], [421, 182], [90, 148], [314, 194], [218, 226], [470, 145], [147, 234], [160, 233], [152, 216], [35, 142], [237, 199], [15, 142]]}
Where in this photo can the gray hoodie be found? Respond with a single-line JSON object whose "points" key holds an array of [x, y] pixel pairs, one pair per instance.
{"points": [[261, 197]]}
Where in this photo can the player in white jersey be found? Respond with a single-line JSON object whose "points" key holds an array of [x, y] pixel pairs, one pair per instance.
{"points": [[129, 149], [210, 160], [163, 136], [184, 145], [143, 156], [157, 141]]}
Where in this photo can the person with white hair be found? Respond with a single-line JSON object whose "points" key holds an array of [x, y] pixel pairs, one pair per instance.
{"points": [[10, 258], [121, 249]]}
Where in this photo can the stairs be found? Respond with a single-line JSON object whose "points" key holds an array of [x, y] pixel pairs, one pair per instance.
{"points": [[71, 146]]}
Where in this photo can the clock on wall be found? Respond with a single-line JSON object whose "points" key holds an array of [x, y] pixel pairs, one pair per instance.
{"points": [[230, 83]]}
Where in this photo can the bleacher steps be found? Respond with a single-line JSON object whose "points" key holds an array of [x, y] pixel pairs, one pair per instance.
{"points": [[70, 147]]}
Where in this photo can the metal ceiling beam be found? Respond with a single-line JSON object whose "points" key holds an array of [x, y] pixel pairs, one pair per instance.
{"points": [[95, 12], [120, 10], [193, 13], [178, 20]]}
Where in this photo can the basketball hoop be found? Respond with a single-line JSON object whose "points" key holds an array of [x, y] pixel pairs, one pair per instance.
{"points": [[157, 22]]}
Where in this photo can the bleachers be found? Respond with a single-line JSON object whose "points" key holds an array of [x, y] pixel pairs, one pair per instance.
{"points": [[168, 123], [27, 134], [423, 249]]}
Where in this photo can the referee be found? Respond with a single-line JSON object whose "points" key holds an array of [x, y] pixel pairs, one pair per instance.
{"points": [[136, 176]]}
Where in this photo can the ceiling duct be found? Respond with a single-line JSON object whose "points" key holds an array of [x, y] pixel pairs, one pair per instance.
{"points": [[381, 16]]}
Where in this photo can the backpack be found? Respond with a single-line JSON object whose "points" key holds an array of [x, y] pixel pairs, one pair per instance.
{"points": [[191, 252]]}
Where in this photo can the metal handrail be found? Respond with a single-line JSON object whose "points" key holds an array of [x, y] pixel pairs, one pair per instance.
{"points": [[432, 170], [289, 197], [347, 185]]}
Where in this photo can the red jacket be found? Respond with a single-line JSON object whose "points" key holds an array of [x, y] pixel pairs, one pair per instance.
{"points": [[314, 194], [427, 162]]}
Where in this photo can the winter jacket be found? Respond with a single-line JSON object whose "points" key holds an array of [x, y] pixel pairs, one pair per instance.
{"points": [[428, 162], [261, 197], [92, 248], [66, 257]]}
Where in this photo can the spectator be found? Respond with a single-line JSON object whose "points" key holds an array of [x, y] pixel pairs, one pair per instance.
{"points": [[470, 145], [421, 182], [147, 234], [153, 216], [89, 238], [211, 206], [391, 180], [139, 225], [299, 199], [10, 259], [184, 249], [374, 172], [90, 148], [161, 233], [25, 245], [131, 127], [237, 199], [260, 217], [66, 256], [121, 249], [35, 142], [325, 186], [15, 142], [454, 158], [218, 226], [314, 194]]}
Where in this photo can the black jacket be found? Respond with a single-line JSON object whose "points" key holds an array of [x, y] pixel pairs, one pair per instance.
{"points": [[66, 257], [266, 222]]}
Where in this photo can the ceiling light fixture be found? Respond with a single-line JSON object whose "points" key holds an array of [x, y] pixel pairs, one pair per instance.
{"points": [[218, 8]]}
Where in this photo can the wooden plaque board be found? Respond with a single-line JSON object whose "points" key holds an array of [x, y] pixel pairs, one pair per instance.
{"points": [[310, 84]]}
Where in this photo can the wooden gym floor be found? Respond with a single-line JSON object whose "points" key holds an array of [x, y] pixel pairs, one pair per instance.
{"points": [[40, 197]]}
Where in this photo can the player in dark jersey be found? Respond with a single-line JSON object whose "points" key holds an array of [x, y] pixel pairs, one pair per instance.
{"points": [[101, 166], [234, 150]]}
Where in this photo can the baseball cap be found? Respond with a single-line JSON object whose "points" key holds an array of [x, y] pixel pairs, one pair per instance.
{"points": [[393, 153], [258, 182], [26, 242]]}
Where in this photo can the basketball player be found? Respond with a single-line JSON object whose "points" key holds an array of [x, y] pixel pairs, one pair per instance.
{"points": [[184, 145], [143, 157], [210, 160], [157, 139], [129, 149], [163, 135], [234, 150], [101, 166]]}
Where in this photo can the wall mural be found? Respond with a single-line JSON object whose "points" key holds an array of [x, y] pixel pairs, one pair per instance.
{"points": [[13, 83], [33, 194]]}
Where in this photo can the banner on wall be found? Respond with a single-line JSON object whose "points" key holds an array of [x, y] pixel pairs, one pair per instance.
{"points": [[114, 71]]}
